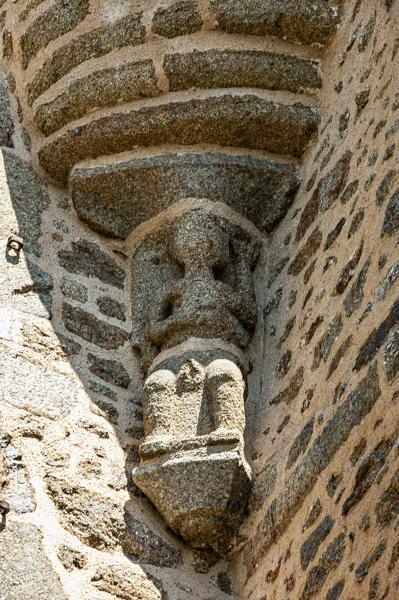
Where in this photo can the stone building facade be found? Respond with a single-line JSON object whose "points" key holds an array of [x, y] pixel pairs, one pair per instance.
{"points": [[199, 311]]}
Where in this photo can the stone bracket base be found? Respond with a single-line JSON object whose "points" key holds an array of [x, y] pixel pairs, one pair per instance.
{"points": [[202, 497]]}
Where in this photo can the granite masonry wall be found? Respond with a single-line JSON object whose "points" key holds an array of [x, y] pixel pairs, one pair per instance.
{"points": [[323, 398]]}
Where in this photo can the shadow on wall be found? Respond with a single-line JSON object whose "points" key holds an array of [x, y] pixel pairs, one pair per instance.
{"points": [[71, 386]]}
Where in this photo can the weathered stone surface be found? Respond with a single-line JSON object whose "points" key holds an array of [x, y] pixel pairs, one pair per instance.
{"points": [[295, 20], [91, 329], [126, 31], [73, 290], [111, 308], [181, 18], [215, 119], [143, 544], [86, 258], [27, 288], [95, 519], [106, 87], [330, 560], [109, 370], [19, 492], [24, 566], [241, 68], [115, 198], [101, 523], [60, 18], [205, 499], [311, 546], [71, 558], [28, 196], [263, 486], [125, 583], [21, 385]]}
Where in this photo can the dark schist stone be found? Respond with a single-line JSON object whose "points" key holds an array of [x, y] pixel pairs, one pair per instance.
{"points": [[391, 219], [288, 394], [323, 348], [91, 329], [181, 18], [363, 569], [329, 561], [354, 298], [300, 443], [294, 20], [310, 247], [116, 198], [326, 193], [348, 271], [111, 308], [86, 258], [217, 119], [301, 482], [368, 471], [311, 546], [335, 592], [391, 355], [387, 508], [109, 370], [377, 338]]}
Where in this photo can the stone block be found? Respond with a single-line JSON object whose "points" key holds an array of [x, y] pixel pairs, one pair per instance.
{"points": [[91, 329], [25, 568], [181, 18], [241, 68], [294, 20], [57, 20], [113, 199], [214, 119], [126, 31], [201, 497]]}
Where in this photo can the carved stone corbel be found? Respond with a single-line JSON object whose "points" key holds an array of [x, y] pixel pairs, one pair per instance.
{"points": [[192, 284]]}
